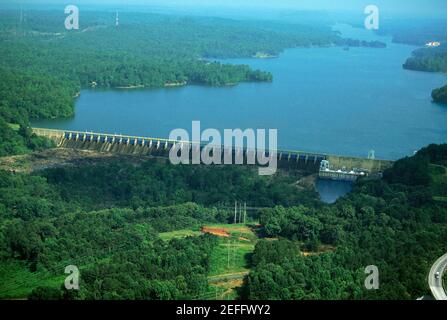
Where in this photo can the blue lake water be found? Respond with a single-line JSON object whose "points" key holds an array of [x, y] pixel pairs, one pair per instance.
{"points": [[330, 190], [321, 100]]}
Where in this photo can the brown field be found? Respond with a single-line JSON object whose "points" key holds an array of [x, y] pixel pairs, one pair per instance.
{"points": [[220, 232]]}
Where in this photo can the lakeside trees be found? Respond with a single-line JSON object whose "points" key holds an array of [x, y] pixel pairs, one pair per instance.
{"points": [[428, 59], [440, 95]]}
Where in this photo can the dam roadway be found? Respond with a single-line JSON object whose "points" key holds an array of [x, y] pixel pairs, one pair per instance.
{"points": [[134, 145]]}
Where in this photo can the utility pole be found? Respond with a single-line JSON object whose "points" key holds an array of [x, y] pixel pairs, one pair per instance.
{"points": [[245, 212], [234, 252], [228, 251], [117, 19], [240, 212], [235, 214]]}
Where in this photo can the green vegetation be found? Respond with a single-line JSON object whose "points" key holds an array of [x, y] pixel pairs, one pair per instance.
{"points": [[18, 281], [13, 141], [106, 218], [134, 232], [428, 59], [440, 95], [394, 224], [133, 228], [232, 255], [178, 234]]}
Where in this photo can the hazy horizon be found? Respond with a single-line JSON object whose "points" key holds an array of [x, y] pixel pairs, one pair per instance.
{"points": [[395, 7]]}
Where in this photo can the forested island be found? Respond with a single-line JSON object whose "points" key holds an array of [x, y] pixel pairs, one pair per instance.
{"points": [[440, 95], [428, 59]]}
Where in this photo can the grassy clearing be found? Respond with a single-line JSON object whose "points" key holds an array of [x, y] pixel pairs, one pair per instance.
{"points": [[226, 290], [232, 255], [178, 234], [440, 199], [14, 126], [238, 230], [17, 281], [438, 174], [230, 260]]}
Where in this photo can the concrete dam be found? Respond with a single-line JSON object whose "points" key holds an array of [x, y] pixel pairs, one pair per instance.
{"points": [[329, 166]]}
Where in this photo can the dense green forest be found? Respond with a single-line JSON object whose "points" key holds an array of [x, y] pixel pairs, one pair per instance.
{"points": [[428, 59], [106, 218], [397, 224]]}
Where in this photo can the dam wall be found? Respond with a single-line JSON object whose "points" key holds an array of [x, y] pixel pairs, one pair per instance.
{"points": [[369, 165], [145, 146]]}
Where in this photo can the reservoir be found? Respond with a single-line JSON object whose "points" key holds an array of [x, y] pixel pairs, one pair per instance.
{"points": [[328, 100]]}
